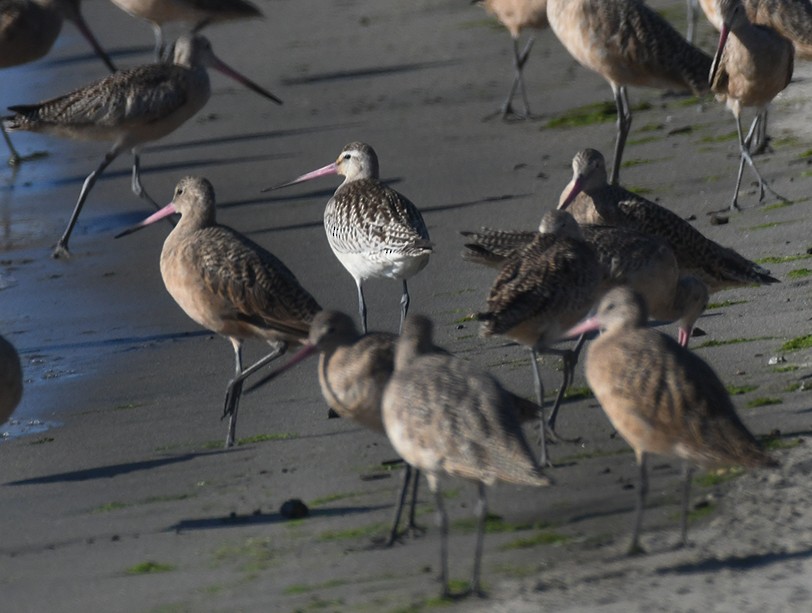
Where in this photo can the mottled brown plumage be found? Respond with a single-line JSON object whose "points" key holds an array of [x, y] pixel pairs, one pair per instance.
{"points": [[200, 13], [628, 44], [753, 64], [792, 19], [11, 380], [129, 108], [627, 257], [28, 30], [544, 289], [442, 415], [229, 284], [518, 15], [661, 397], [591, 200]]}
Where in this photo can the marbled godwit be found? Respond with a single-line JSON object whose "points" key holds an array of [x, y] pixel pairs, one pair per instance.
{"points": [[628, 257], [516, 15], [750, 68], [662, 398], [374, 231], [198, 12], [591, 199], [28, 29], [444, 416], [628, 44], [548, 286], [353, 372], [11, 380], [792, 19], [229, 284], [130, 108]]}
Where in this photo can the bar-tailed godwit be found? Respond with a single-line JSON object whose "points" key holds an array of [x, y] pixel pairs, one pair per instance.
{"points": [[229, 284], [442, 415], [129, 108], [662, 398], [374, 231], [628, 43]]}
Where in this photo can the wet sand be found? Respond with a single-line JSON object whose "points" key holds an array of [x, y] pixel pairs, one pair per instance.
{"points": [[134, 479]]}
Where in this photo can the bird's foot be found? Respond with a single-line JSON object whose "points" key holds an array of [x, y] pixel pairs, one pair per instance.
{"points": [[60, 251], [635, 549], [16, 160]]}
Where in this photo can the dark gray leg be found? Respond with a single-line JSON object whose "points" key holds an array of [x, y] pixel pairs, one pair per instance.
{"points": [[234, 389], [404, 305], [362, 306], [534, 359], [624, 124], [61, 249], [642, 492], [744, 146], [481, 512], [401, 501], [687, 475], [442, 522], [137, 188], [15, 158], [693, 15], [570, 361]]}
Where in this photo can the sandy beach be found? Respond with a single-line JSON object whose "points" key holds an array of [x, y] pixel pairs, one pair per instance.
{"points": [[115, 491]]}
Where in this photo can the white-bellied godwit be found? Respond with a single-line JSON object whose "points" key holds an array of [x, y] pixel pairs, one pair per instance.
{"points": [[517, 15], [628, 44], [543, 290], [442, 415], [753, 64], [374, 231], [628, 257], [591, 199], [229, 284], [662, 398], [130, 108], [200, 13], [11, 380], [28, 29]]}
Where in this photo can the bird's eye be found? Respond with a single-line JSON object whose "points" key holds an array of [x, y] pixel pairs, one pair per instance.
{"points": [[346, 156]]}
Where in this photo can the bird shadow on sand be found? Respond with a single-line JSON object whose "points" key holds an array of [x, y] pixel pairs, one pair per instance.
{"points": [[135, 341], [148, 168], [118, 54], [746, 562], [251, 136], [367, 73], [257, 518], [115, 470]]}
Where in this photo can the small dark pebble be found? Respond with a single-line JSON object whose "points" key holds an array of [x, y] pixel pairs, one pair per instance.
{"points": [[691, 217], [699, 332], [331, 414], [294, 508], [718, 220]]}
